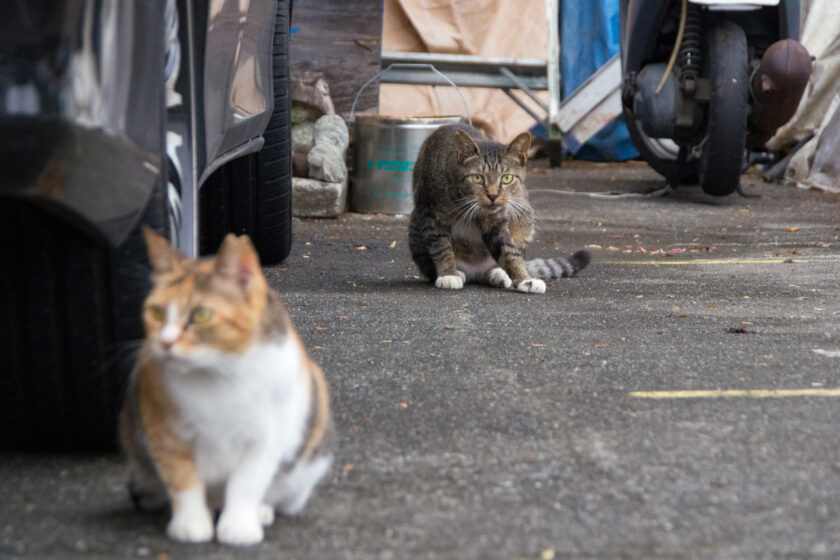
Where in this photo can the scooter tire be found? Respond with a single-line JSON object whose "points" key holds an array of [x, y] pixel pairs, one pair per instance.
{"points": [[727, 62]]}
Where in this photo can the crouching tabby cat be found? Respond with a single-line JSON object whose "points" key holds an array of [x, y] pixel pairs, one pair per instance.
{"points": [[224, 406], [472, 219]]}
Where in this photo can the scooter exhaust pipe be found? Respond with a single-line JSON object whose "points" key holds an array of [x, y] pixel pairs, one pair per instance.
{"points": [[777, 87]]}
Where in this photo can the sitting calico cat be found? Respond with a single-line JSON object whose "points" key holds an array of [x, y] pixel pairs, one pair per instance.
{"points": [[472, 219], [224, 405]]}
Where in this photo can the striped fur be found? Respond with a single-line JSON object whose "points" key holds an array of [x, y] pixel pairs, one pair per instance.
{"points": [[560, 267], [472, 220], [224, 409]]}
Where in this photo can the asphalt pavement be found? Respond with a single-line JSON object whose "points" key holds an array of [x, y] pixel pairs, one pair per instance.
{"points": [[676, 399]]}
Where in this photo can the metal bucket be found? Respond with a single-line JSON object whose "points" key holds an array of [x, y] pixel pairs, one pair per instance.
{"points": [[385, 149]]}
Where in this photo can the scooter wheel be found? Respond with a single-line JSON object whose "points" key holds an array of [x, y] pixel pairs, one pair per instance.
{"points": [[723, 151]]}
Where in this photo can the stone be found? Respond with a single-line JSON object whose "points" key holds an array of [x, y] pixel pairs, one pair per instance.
{"points": [[318, 199], [310, 97], [326, 163], [303, 137], [332, 129]]}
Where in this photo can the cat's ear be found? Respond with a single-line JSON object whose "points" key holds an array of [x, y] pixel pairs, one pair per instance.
{"points": [[237, 261], [162, 256], [518, 147], [465, 146]]}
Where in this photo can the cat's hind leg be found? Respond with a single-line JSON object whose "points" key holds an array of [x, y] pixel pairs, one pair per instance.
{"points": [[498, 278], [484, 270], [292, 490]]}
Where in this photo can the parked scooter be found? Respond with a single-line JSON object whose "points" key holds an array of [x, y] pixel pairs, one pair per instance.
{"points": [[705, 79]]}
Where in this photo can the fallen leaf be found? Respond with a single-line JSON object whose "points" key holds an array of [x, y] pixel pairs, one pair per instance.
{"points": [[600, 346], [593, 246], [682, 316], [538, 345], [321, 328], [792, 229], [547, 554], [393, 244], [360, 248], [449, 328], [403, 405], [677, 250], [612, 248], [387, 341], [348, 467]]}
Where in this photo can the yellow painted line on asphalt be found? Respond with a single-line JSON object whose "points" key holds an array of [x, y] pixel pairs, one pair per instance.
{"points": [[737, 393], [703, 261]]}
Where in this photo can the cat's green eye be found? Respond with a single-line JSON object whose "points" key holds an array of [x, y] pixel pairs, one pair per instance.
{"points": [[477, 178], [157, 312], [507, 179], [201, 314]]}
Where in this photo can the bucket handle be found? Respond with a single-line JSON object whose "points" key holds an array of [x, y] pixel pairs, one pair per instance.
{"points": [[411, 65]]}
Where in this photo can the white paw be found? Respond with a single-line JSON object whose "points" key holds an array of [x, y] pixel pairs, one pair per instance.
{"points": [[193, 527], [240, 527], [532, 286], [462, 274], [266, 515], [449, 282], [498, 278]]}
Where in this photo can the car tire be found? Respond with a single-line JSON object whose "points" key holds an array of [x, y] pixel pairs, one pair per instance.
{"points": [[253, 194], [71, 309], [723, 153]]}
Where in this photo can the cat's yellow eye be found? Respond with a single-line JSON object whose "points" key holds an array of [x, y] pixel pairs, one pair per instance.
{"points": [[477, 178], [157, 311], [201, 314], [507, 179]]}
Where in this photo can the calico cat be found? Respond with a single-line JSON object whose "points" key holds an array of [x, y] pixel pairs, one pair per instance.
{"points": [[472, 220], [224, 406]]}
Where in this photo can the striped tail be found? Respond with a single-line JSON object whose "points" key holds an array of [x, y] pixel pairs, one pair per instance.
{"points": [[551, 269]]}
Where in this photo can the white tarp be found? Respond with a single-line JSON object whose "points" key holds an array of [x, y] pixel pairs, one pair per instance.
{"points": [[816, 165]]}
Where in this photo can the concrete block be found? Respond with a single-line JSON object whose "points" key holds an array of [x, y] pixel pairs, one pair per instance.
{"points": [[318, 199], [332, 129]]}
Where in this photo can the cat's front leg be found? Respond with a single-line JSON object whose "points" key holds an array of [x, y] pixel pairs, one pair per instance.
{"points": [[243, 516], [509, 256], [191, 520]]}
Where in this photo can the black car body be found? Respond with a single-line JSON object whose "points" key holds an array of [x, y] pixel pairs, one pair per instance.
{"points": [[115, 114]]}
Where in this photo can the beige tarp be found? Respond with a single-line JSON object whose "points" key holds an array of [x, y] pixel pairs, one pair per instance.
{"points": [[497, 28]]}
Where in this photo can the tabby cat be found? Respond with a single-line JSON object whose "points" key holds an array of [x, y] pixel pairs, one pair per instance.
{"points": [[224, 406], [472, 220]]}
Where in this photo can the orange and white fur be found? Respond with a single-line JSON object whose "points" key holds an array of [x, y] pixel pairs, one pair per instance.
{"points": [[224, 409]]}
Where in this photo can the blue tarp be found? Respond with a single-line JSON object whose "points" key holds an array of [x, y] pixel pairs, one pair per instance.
{"points": [[588, 38]]}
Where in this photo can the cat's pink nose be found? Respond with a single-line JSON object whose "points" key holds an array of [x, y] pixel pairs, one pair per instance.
{"points": [[169, 336]]}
